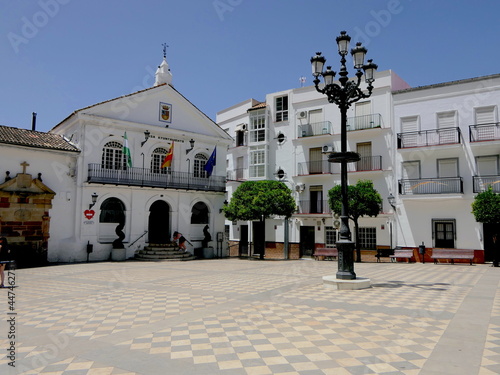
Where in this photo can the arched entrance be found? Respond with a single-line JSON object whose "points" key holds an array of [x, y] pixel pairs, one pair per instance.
{"points": [[112, 215], [159, 222]]}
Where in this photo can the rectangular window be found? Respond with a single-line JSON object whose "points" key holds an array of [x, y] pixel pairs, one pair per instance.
{"points": [[443, 233], [258, 126], [447, 167], [487, 165], [485, 115], [330, 237], [411, 169], [257, 161], [282, 108], [368, 238], [446, 120]]}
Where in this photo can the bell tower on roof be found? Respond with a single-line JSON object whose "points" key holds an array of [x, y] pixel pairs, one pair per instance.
{"points": [[163, 74]]}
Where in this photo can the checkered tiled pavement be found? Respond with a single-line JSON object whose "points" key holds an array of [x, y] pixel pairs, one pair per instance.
{"points": [[250, 317]]}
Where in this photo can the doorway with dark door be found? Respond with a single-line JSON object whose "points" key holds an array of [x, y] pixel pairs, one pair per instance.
{"points": [[243, 245], [159, 223], [306, 241], [490, 229]]}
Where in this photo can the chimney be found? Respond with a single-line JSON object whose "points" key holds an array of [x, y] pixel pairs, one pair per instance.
{"points": [[33, 121]]}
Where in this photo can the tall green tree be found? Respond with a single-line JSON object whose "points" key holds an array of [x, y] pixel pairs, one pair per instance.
{"points": [[257, 201], [486, 207], [363, 200]]}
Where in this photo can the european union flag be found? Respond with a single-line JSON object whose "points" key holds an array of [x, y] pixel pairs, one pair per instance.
{"points": [[209, 166]]}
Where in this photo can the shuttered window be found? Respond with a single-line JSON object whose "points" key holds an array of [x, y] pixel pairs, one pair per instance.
{"points": [[485, 115], [446, 120]]}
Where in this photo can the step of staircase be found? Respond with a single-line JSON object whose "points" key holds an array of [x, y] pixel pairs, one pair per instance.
{"points": [[163, 252]]}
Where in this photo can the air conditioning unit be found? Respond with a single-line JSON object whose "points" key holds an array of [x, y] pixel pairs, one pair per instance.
{"points": [[328, 149], [302, 114], [299, 188]]}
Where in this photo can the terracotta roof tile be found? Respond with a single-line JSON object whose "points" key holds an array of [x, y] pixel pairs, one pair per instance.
{"points": [[31, 138], [258, 106]]}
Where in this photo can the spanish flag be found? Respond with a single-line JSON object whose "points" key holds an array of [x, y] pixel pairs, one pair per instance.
{"points": [[167, 162]]}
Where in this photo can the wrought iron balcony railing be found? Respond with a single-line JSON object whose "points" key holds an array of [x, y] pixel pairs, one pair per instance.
{"points": [[482, 183], [484, 132], [367, 163], [364, 122], [315, 128], [314, 167], [445, 185], [239, 174], [432, 137], [313, 207], [146, 177]]}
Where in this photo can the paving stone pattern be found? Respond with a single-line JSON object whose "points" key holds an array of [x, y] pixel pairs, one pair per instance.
{"points": [[251, 317]]}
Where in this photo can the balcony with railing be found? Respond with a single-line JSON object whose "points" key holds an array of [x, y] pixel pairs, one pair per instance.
{"points": [[147, 178], [240, 174], [313, 207], [315, 128], [366, 163], [484, 132], [314, 167], [432, 137], [444, 185], [364, 122], [482, 183]]}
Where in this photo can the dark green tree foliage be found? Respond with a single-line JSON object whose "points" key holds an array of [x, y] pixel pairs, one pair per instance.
{"points": [[363, 200], [258, 200], [486, 207]]}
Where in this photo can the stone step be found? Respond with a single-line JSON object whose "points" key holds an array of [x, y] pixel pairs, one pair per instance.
{"points": [[153, 253]]}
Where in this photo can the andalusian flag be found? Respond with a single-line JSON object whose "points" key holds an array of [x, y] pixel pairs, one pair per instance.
{"points": [[126, 151], [167, 162], [209, 166]]}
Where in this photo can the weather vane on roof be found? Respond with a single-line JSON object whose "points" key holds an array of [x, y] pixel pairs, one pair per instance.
{"points": [[165, 50]]}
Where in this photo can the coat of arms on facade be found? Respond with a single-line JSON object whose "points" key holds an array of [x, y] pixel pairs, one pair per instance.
{"points": [[166, 112]]}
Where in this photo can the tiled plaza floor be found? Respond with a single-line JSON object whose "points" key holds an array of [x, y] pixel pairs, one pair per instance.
{"points": [[234, 316]]}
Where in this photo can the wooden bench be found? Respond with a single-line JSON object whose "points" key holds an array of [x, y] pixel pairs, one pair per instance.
{"points": [[452, 254], [404, 253], [326, 252]]}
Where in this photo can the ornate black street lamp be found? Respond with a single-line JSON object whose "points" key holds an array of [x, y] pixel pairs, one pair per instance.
{"points": [[343, 95]]}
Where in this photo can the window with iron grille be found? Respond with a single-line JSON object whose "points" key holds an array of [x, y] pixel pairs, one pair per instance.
{"points": [[199, 164], [157, 158], [368, 238], [330, 237], [282, 108], [112, 156]]}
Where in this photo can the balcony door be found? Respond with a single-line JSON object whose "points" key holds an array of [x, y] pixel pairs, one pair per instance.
{"points": [[365, 152], [316, 199], [363, 118], [315, 160]]}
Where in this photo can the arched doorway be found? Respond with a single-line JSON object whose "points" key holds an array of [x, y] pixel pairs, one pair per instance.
{"points": [[112, 215], [159, 222]]}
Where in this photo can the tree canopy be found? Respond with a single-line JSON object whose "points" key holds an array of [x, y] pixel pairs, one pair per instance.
{"points": [[363, 200], [258, 200], [486, 207]]}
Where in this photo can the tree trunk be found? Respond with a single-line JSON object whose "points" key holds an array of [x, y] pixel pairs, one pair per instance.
{"points": [[358, 245]]}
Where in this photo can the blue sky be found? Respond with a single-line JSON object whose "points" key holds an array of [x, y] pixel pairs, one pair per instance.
{"points": [[58, 56]]}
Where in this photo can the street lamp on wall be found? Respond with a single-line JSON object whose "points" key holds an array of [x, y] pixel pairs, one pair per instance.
{"points": [[392, 201], [146, 137], [191, 143], [94, 200], [343, 94]]}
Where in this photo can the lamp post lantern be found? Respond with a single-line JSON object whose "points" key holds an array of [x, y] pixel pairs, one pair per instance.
{"points": [[343, 95]]}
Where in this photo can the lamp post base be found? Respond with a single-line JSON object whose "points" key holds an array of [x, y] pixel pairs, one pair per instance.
{"points": [[346, 260]]}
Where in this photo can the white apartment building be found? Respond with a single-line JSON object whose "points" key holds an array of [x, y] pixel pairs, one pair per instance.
{"points": [[288, 138], [448, 145]]}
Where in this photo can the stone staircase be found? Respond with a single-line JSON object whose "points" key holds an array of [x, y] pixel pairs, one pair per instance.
{"points": [[164, 252]]}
